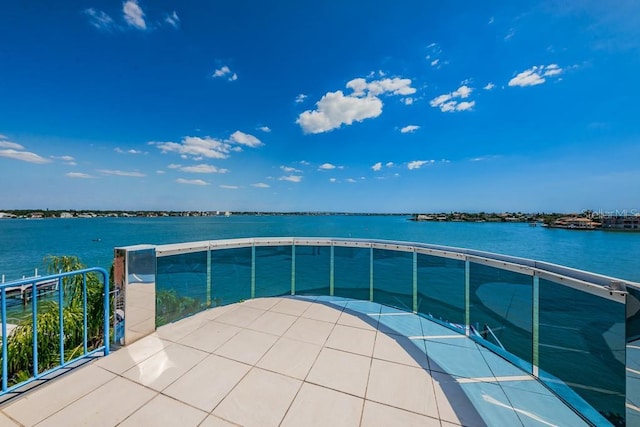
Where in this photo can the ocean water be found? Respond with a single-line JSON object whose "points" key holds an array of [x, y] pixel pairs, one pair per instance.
{"points": [[25, 243]]}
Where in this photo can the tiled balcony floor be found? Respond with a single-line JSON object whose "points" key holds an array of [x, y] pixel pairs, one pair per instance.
{"points": [[299, 361]]}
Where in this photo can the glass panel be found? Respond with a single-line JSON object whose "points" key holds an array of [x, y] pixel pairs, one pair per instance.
{"points": [[140, 294], [313, 269], [230, 275], [501, 309], [351, 270], [441, 288], [273, 271], [393, 278], [582, 343], [633, 357], [181, 286]]}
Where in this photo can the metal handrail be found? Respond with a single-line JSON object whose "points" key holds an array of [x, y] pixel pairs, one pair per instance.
{"points": [[33, 283]]}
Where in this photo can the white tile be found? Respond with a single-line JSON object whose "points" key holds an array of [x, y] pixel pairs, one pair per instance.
{"points": [[395, 348], [319, 311], [290, 357], [176, 330], [213, 421], [6, 421], [453, 404], [165, 367], [272, 323], [316, 406], [50, 398], [260, 399], [353, 340], [164, 411], [292, 306], [261, 303], [309, 330], [377, 415], [214, 312], [106, 406], [208, 382], [402, 386], [341, 371], [241, 316], [210, 336], [358, 321], [247, 346], [127, 357]]}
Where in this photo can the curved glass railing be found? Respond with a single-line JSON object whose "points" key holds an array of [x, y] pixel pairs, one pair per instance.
{"points": [[578, 332]]}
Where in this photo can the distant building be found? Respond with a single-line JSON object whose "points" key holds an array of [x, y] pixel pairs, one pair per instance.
{"points": [[6, 215], [573, 222], [66, 215], [629, 223]]}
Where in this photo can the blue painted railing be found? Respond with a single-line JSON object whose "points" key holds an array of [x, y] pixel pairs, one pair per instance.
{"points": [[30, 289]]}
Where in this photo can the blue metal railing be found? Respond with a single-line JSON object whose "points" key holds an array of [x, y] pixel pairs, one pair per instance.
{"points": [[32, 287]]}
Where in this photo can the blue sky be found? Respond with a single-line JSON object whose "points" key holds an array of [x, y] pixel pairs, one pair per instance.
{"points": [[362, 106]]}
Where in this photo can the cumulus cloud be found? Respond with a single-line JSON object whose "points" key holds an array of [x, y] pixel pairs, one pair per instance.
{"points": [[351, 180], [203, 168], [131, 151], [407, 101], [333, 180], [173, 20], [289, 169], [417, 164], [489, 86], [291, 178], [191, 181], [265, 129], [121, 173], [229, 187], [336, 109], [260, 185], [326, 167], [245, 139], [133, 15], [377, 167], [99, 19], [409, 129], [225, 72], [389, 164], [300, 98], [450, 102], [25, 156], [79, 175], [535, 75]]}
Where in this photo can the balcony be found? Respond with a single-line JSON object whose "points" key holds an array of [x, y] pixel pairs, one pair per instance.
{"points": [[349, 332]]}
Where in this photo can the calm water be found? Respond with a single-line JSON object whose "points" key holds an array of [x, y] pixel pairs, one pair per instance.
{"points": [[25, 243]]}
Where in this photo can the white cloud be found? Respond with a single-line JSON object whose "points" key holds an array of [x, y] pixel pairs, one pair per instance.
{"points": [[260, 185], [264, 129], [489, 86], [191, 181], [245, 139], [351, 180], [336, 109], [417, 164], [435, 62], [194, 146], [224, 71], [203, 168], [377, 167], [449, 102], [11, 145], [67, 159], [99, 19], [535, 75], [333, 180], [174, 166], [304, 163], [229, 187], [133, 14], [326, 167], [300, 98], [288, 169], [291, 178], [407, 101], [389, 164], [79, 175], [25, 156], [131, 151], [173, 20], [160, 172], [409, 129], [121, 173]]}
